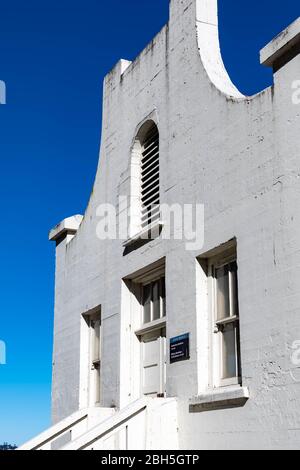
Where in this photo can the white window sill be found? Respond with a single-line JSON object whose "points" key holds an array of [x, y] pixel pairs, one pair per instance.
{"points": [[154, 325], [149, 233], [221, 398]]}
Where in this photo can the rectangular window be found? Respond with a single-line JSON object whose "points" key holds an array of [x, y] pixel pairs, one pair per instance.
{"points": [[226, 320], [154, 300], [96, 324], [95, 356]]}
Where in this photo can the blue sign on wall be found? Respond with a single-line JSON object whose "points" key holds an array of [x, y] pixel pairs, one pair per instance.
{"points": [[180, 348]]}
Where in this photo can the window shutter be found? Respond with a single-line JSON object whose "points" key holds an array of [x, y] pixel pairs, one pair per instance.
{"points": [[150, 178]]}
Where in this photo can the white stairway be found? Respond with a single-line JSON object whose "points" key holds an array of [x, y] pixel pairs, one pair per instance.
{"points": [[146, 424]]}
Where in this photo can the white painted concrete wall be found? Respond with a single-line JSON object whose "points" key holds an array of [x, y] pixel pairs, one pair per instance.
{"points": [[238, 156]]}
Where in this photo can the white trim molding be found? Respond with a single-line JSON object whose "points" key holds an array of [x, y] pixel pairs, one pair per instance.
{"points": [[149, 233], [282, 45], [221, 398]]}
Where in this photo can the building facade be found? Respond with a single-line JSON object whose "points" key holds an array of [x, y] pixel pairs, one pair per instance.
{"points": [[199, 333]]}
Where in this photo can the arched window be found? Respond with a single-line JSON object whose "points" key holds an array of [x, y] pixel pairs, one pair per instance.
{"points": [[145, 184], [150, 198]]}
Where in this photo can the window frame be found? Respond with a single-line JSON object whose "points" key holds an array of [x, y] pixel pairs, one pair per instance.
{"points": [[95, 362], [162, 301], [217, 262], [150, 213]]}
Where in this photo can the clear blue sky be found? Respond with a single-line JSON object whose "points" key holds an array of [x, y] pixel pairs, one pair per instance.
{"points": [[53, 57]]}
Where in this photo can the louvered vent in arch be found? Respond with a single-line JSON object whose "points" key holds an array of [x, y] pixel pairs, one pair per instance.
{"points": [[150, 178]]}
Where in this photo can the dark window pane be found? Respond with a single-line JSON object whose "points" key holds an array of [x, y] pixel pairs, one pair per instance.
{"points": [[222, 278], [156, 301], [234, 289], [163, 296], [229, 352], [147, 303], [96, 342]]}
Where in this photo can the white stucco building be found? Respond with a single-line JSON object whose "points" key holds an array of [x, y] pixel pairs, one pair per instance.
{"points": [[157, 344]]}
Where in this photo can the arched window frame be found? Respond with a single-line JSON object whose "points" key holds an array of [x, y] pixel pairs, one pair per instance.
{"points": [[139, 224]]}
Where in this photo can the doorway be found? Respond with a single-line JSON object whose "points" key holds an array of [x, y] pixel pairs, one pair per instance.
{"points": [[154, 357]]}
